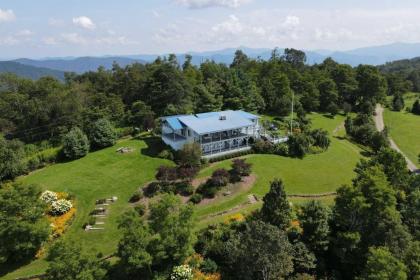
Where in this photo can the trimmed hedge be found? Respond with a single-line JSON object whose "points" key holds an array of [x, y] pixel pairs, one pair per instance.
{"points": [[232, 155]]}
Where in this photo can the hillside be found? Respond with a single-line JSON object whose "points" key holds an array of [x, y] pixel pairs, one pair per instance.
{"points": [[80, 64], [401, 66], [28, 71], [374, 55]]}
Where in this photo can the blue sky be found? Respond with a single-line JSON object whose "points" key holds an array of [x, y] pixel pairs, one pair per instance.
{"points": [[48, 28]]}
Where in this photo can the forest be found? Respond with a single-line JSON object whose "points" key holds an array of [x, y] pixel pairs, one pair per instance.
{"points": [[370, 232]]}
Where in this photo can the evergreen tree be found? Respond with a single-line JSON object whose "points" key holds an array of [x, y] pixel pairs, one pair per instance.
{"points": [[382, 265], [261, 251], [276, 209], [314, 220], [102, 134], [75, 144], [397, 102]]}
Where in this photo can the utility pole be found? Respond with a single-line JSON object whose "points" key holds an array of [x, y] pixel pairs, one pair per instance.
{"points": [[291, 120]]}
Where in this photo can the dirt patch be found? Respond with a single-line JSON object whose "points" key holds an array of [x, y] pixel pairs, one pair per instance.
{"points": [[243, 186], [198, 181]]}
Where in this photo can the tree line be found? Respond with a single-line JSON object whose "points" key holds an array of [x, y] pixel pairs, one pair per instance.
{"points": [[131, 98]]}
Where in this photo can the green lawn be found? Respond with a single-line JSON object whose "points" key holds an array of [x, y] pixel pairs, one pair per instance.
{"points": [[314, 174], [100, 174], [106, 173], [404, 128]]}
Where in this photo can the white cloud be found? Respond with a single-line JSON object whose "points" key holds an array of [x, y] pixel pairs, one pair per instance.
{"points": [[55, 22], [291, 21], [77, 39], [231, 26], [8, 41], [84, 22], [51, 41], [7, 15], [74, 38], [199, 4], [25, 33]]}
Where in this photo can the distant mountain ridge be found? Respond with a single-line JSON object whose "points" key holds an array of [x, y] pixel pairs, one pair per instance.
{"points": [[79, 64], [28, 71], [375, 55]]}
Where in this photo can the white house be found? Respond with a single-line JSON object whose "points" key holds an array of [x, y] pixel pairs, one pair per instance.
{"points": [[217, 132]]}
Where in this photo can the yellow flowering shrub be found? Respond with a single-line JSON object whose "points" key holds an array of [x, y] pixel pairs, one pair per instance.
{"points": [[60, 223], [295, 225], [238, 217], [198, 275], [40, 253], [194, 260], [62, 195]]}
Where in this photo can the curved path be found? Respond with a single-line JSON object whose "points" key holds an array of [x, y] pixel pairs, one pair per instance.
{"points": [[379, 122]]}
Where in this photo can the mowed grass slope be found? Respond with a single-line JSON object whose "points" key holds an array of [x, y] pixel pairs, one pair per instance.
{"points": [[106, 173], [100, 174], [315, 174], [404, 128]]}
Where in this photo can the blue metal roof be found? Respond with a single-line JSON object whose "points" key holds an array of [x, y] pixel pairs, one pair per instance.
{"points": [[211, 122], [247, 115], [174, 122], [206, 115]]}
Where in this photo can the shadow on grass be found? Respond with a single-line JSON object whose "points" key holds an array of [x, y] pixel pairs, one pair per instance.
{"points": [[8, 267], [154, 145]]}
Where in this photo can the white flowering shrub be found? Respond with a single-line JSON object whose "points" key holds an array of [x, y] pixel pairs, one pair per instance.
{"points": [[182, 272], [48, 197], [60, 207]]}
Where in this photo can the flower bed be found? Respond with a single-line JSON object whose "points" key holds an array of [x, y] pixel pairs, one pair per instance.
{"points": [[62, 222]]}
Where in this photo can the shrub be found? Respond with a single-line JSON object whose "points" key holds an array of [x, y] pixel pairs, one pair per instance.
{"points": [[196, 198], [75, 144], [315, 150], [299, 144], [102, 134], [184, 188], [207, 190], [182, 272], [12, 155], [208, 266], [239, 169], [379, 140], [152, 189], [416, 107], [219, 178], [140, 209], [166, 154], [137, 195], [263, 147], [185, 172], [33, 163], [60, 207], [281, 149], [167, 187], [166, 173], [321, 138], [190, 155], [49, 197]]}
